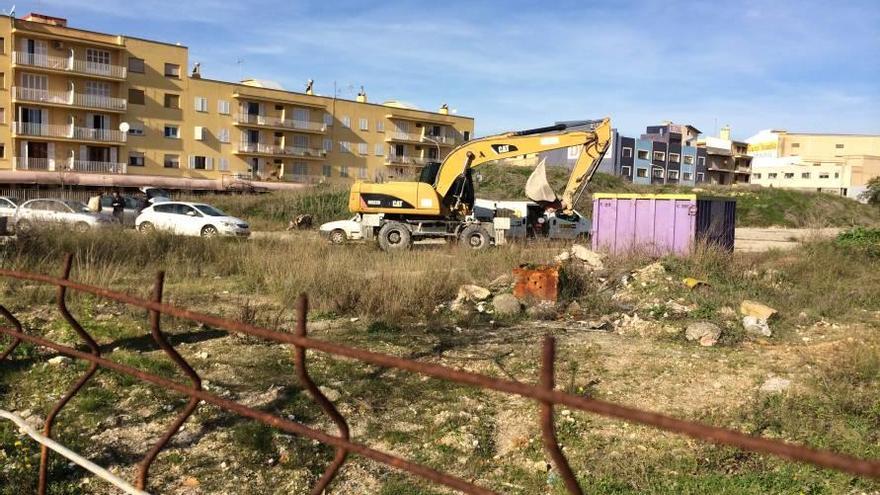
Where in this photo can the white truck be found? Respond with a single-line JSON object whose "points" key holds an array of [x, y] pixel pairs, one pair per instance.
{"points": [[539, 223]]}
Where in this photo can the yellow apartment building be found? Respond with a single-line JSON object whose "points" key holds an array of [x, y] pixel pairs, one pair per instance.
{"points": [[100, 110], [835, 163]]}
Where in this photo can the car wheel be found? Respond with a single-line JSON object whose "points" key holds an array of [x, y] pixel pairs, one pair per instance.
{"points": [[395, 236], [475, 237], [146, 228], [81, 227], [209, 231], [337, 237]]}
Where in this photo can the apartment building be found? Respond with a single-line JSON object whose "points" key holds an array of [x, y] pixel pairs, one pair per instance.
{"points": [[103, 110], [834, 163], [727, 161]]}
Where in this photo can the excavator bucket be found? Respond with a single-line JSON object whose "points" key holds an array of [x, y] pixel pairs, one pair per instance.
{"points": [[538, 188]]}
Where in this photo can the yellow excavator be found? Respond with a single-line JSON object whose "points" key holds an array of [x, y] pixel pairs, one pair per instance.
{"points": [[440, 204]]}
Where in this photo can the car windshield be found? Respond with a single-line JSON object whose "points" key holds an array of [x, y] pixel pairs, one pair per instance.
{"points": [[78, 206], [14, 201], [210, 211]]}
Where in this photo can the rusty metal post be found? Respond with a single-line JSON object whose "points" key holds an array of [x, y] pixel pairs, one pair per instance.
{"points": [[15, 340], [93, 367], [159, 337], [299, 357], [548, 431]]}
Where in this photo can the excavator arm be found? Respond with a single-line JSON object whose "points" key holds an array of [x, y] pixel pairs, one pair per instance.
{"points": [[453, 172]]}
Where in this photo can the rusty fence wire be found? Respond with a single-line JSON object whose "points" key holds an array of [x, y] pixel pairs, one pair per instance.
{"points": [[543, 393]]}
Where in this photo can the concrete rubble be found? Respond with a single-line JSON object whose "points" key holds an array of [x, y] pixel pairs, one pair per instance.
{"points": [[707, 334]]}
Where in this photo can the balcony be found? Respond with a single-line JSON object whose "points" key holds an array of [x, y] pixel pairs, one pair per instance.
{"points": [[69, 165], [40, 164], [264, 149], [69, 98], [97, 167], [302, 152], [69, 64], [279, 123], [442, 140], [276, 150], [68, 132], [408, 161], [403, 136]]}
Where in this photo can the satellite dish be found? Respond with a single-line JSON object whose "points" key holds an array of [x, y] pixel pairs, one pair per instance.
{"points": [[124, 127]]}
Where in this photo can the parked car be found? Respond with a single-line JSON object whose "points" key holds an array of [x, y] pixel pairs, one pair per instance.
{"points": [[8, 206], [129, 214], [58, 211], [194, 219], [340, 231]]}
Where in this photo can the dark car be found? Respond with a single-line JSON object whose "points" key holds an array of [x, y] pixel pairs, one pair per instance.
{"points": [[132, 208]]}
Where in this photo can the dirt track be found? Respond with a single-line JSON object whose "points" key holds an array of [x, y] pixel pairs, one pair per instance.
{"points": [[750, 239]]}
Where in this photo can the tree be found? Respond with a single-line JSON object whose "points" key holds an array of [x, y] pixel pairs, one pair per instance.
{"points": [[872, 193]]}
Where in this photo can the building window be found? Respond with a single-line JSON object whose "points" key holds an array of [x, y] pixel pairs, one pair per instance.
{"points": [[756, 176], [626, 171], [772, 175], [673, 175], [824, 175], [223, 107], [98, 57], [199, 134], [201, 104], [2, 151], [673, 158], [362, 172], [223, 135], [326, 170], [172, 161], [838, 146], [836, 175], [365, 124], [688, 159], [136, 128], [701, 177], [626, 152], [2, 115], [687, 176], [343, 170], [380, 149], [136, 159], [795, 145], [2, 45], [344, 147], [198, 163], [380, 126], [642, 154], [136, 65], [642, 172], [328, 121], [805, 175], [223, 164], [172, 131], [328, 145], [346, 121], [172, 70], [2, 80], [788, 175], [659, 156], [574, 152], [300, 169], [701, 161], [136, 97], [466, 135], [657, 173], [363, 149], [172, 100]]}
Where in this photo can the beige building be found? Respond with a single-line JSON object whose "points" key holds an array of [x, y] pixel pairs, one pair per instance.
{"points": [[727, 161], [835, 163], [109, 110]]}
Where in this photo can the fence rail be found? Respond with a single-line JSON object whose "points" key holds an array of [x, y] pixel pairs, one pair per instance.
{"points": [[543, 393]]}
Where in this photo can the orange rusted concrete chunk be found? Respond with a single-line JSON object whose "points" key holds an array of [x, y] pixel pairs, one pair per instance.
{"points": [[536, 284]]}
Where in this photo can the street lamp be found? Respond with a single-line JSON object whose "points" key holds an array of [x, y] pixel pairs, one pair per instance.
{"points": [[435, 143]]}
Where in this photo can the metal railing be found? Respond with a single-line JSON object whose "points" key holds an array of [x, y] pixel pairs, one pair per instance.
{"points": [[68, 132], [69, 98], [304, 151], [543, 393], [22, 163], [69, 64], [266, 120], [403, 136], [97, 166], [269, 149], [106, 135], [408, 161]]}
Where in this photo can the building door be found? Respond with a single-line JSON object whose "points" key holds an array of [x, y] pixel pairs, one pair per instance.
{"points": [[252, 136], [34, 82], [36, 51], [399, 150], [97, 154], [253, 108]]}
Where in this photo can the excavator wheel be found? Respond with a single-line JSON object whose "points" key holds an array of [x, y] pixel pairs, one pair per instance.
{"points": [[475, 237], [395, 236]]}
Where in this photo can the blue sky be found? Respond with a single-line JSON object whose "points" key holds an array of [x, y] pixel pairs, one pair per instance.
{"points": [[797, 65]]}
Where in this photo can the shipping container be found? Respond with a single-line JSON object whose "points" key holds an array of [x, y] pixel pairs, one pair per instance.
{"points": [[660, 224]]}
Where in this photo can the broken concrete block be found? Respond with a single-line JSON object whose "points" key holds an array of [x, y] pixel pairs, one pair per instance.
{"points": [[473, 293], [756, 326], [588, 256], [506, 305], [704, 332]]}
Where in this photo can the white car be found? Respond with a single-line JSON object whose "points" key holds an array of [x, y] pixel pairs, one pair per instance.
{"points": [[341, 231], [193, 219], [58, 211]]}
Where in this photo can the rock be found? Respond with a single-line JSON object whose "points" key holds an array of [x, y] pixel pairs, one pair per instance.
{"points": [[591, 258], [756, 309], [775, 384], [473, 293], [60, 361], [600, 324], [756, 326], [650, 273], [574, 309], [506, 305], [704, 332], [542, 311], [677, 309], [331, 394], [502, 282], [562, 257], [727, 312]]}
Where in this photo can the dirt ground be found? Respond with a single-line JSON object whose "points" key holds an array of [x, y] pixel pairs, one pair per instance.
{"points": [[759, 239]]}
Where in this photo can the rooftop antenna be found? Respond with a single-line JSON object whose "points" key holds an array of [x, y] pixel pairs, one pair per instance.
{"points": [[12, 11], [239, 62]]}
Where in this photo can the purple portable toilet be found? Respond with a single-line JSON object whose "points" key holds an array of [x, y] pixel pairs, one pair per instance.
{"points": [[661, 224]]}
